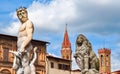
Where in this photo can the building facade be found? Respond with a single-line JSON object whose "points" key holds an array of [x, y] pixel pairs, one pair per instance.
{"points": [[57, 65], [104, 61], [8, 42]]}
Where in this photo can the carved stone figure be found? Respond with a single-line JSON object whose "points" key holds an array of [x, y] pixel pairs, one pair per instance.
{"points": [[85, 56], [30, 67], [22, 60]]}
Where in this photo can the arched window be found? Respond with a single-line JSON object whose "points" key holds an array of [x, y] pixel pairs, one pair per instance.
{"points": [[107, 60], [63, 56], [5, 71], [102, 60], [67, 57]]}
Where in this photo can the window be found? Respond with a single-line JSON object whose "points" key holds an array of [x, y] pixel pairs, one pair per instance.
{"points": [[63, 67], [107, 60], [63, 57], [102, 60], [52, 65], [59, 66], [5, 54], [67, 57], [66, 67]]}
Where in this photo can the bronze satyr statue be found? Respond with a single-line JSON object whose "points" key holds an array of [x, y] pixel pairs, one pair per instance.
{"points": [[85, 56], [22, 63]]}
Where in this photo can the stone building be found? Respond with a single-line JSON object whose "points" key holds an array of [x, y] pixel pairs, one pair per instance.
{"points": [[104, 61], [8, 42], [57, 65]]}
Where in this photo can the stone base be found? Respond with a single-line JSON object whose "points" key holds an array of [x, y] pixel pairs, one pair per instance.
{"points": [[90, 71]]}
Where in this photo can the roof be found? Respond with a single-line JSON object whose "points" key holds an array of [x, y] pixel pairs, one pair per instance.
{"points": [[57, 58], [15, 38], [118, 71]]}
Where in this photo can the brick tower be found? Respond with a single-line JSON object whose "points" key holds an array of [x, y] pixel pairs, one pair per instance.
{"points": [[104, 60], [66, 51]]}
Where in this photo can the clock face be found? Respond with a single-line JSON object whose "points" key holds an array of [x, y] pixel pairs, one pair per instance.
{"points": [[79, 62]]}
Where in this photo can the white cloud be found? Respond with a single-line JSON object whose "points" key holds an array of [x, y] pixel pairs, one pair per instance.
{"points": [[12, 29], [115, 60], [99, 16], [115, 64], [52, 16]]}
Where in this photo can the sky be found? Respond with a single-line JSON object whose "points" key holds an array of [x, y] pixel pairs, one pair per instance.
{"points": [[98, 20]]}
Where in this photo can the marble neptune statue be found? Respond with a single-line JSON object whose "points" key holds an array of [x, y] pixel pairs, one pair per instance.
{"points": [[22, 63]]}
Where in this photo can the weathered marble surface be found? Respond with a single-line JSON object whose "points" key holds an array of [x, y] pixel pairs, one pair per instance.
{"points": [[24, 67], [85, 56], [22, 63]]}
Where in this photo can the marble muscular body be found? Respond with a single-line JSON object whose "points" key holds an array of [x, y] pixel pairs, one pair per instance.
{"points": [[22, 58]]}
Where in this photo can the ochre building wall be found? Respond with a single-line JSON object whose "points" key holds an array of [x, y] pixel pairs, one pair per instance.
{"points": [[8, 43]]}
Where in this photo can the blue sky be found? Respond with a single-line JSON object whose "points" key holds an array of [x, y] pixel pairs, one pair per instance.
{"points": [[98, 20]]}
